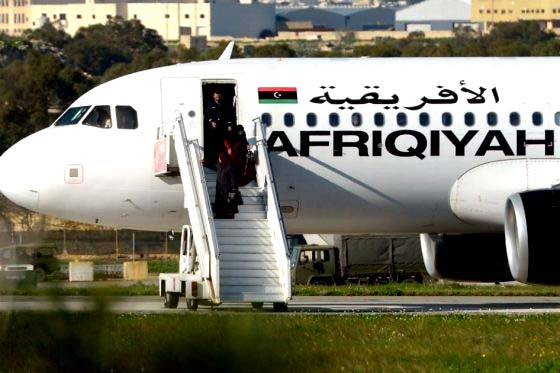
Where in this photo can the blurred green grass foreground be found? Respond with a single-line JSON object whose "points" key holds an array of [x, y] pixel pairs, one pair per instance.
{"points": [[99, 341]]}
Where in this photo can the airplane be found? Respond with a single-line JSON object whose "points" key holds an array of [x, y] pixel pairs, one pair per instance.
{"points": [[463, 151]]}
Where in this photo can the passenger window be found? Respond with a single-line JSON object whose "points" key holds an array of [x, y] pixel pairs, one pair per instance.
{"points": [[492, 119], [266, 119], [379, 119], [537, 118], [72, 116], [311, 119], [100, 117], [424, 119], [514, 119], [305, 256], [469, 119], [356, 119], [446, 119], [334, 120], [288, 119], [401, 119], [127, 118], [557, 118]]}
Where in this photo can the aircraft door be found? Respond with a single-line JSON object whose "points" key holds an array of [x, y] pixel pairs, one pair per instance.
{"points": [[186, 94]]}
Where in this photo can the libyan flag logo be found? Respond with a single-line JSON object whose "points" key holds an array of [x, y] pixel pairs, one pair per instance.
{"points": [[277, 95]]}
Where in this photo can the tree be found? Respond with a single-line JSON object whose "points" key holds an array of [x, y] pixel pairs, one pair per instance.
{"points": [[96, 48], [48, 35]]}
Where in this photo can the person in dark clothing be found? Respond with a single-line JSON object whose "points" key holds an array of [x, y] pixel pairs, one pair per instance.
{"points": [[247, 172], [217, 117], [225, 204]]}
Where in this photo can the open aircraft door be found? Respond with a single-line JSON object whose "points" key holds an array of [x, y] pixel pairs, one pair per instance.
{"points": [[184, 93]]}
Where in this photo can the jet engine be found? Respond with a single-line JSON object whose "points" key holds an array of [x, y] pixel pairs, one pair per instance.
{"points": [[466, 257], [531, 222]]}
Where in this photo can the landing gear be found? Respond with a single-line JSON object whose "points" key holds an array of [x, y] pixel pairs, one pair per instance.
{"points": [[280, 307], [171, 300], [192, 304], [257, 305]]}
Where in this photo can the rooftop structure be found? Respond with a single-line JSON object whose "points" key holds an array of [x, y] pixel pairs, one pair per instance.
{"points": [[431, 15]]}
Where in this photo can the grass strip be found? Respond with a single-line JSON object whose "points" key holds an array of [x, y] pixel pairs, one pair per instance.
{"points": [[392, 289], [99, 341]]}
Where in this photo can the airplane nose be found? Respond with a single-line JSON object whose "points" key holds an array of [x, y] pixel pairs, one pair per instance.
{"points": [[17, 181]]}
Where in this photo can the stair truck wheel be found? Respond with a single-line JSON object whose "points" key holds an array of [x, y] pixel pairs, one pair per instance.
{"points": [[192, 304], [171, 300], [257, 305], [280, 306]]}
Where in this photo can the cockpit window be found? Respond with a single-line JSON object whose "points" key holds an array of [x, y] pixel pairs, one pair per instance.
{"points": [[72, 116], [100, 117], [127, 118]]}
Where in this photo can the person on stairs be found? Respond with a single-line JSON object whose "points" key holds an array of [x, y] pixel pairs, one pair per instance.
{"points": [[225, 204]]}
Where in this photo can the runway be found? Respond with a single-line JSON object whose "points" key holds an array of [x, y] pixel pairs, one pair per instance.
{"points": [[300, 305]]}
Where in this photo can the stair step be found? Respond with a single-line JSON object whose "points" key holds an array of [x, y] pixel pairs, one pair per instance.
{"points": [[247, 257], [250, 207], [246, 249], [249, 273], [242, 232], [253, 200], [224, 264], [252, 297], [250, 215], [245, 192], [235, 224], [249, 281], [249, 240]]}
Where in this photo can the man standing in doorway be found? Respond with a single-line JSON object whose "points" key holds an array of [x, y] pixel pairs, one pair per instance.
{"points": [[214, 129]]}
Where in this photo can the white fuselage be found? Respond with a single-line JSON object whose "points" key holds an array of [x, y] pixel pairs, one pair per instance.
{"points": [[347, 178]]}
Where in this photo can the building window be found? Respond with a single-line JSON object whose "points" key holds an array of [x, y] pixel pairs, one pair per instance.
{"points": [[135, 16], [379, 119], [492, 119], [311, 119], [334, 119], [289, 119], [202, 16], [79, 16], [401, 119], [109, 16], [424, 119], [266, 118], [187, 16], [356, 119], [469, 119], [93, 16], [537, 118], [167, 16], [63, 16], [514, 119], [446, 119]]}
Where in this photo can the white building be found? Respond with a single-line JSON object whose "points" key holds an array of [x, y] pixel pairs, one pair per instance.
{"points": [[171, 19], [435, 15]]}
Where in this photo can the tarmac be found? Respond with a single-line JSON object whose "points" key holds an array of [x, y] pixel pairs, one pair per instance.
{"points": [[444, 305]]}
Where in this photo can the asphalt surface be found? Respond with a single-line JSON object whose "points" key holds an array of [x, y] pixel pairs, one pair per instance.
{"points": [[312, 305]]}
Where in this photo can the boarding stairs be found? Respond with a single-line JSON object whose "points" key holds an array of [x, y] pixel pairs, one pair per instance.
{"points": [[244, 259]]}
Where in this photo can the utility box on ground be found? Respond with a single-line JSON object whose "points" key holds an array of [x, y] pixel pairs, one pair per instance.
{"points": [[80, 271], [135, 270]]}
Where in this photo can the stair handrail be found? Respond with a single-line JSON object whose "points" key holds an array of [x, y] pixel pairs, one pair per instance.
{"points": [[203, 210], [274, 207]]}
